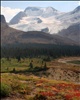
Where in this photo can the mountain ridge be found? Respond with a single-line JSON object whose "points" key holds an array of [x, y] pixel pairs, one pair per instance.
{"points": [[72, 32], [12, 36], [49, 17]]}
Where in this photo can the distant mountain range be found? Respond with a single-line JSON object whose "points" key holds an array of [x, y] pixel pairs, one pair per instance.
{"points": [[47, 19], [72, 32], [12, 36]]}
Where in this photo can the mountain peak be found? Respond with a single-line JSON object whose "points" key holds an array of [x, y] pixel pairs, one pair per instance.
{"points": [[41, 11], [39, 8], [2, 19], [51, 8], [32, 8], [77, 9], [17, 17]]}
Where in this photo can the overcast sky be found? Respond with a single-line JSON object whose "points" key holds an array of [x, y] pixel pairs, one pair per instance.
{"points": [[11, 8]]}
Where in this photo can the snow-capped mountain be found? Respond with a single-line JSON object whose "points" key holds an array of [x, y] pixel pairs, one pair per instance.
{"points": [[71, 17], [13, 36], [72, 32], [38, 11], [17, 18], [31, 23], [44, 19]]}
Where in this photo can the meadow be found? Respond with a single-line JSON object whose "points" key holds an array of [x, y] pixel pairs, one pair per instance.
{"points": [[27, 79], [74, 62]]}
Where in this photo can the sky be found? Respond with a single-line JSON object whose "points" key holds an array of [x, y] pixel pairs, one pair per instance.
{"points": [[10, 8]]}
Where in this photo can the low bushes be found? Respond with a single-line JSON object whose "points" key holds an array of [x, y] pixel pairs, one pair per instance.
{"points": [[5, 90], [39, 97]]}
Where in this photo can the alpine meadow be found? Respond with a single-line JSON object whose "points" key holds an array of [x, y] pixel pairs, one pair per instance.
{"points": [[40, 54]]}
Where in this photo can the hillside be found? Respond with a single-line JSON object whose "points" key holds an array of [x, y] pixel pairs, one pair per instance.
{"points": [[72, 32]]}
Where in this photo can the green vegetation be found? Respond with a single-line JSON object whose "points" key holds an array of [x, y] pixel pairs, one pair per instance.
{"points": [[24, 65], [39, 97], [5, 90], [74, 61], [31, 65], [38, 50], [25, 72], [31, 87]]}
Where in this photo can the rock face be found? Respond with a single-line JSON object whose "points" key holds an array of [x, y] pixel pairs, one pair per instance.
{"points": [[46, 30], [76, 10], [2, 19], [16, 19], [72, 32]]}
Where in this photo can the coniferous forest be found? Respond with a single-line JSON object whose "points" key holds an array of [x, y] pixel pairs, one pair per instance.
{"points": [[36, 50]]}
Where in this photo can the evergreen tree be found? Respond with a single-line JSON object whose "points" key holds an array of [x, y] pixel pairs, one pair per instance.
{"points": [[31, 65], [18, 58], [45, 66], [14, 69]]}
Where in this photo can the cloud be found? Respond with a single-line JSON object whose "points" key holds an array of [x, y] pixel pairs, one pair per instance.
{"points": [[9, 13], [79, 2]]}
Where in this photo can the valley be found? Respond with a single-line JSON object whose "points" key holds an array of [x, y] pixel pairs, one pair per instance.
{"points": [[40, 55]]}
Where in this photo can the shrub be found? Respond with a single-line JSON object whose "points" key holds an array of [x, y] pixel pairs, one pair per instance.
{"points": [[13, 70], [18, 58], [5, 90], [31, 65], [45, 66], [47, 59], [39, 97]]}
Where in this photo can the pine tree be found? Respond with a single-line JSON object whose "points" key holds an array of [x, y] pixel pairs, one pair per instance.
{"points": [[31, 65], [45, 66]]}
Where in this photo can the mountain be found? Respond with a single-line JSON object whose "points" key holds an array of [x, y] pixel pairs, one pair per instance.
{"points": [[72, 32], [71, 17], [8, 35], [41, 18], [76, 9], [2, 19], [13, 36], [39, 11], [37, 19], [17, 18], [32, 23]]}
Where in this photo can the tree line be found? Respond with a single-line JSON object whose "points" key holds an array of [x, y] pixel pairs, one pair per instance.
{"points": [[37, 50]]}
